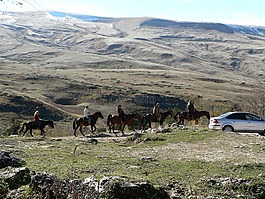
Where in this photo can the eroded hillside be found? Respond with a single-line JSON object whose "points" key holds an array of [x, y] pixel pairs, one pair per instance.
{"points": [[64, 63]]}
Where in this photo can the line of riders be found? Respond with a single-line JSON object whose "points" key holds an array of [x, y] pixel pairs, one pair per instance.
{"points": [[121, 113], [121, 119]]}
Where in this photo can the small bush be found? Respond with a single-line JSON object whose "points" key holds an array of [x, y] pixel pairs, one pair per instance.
{"points": [[12, 128]]}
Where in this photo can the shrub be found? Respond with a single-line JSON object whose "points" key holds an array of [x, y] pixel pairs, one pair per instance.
{"points": [[12, 128]]}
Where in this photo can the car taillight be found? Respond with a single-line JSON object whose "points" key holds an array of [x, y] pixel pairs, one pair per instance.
{"points": [[215, 121]]}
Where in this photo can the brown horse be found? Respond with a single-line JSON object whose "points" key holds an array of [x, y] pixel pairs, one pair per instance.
{"points": [[78, 123], [36, 125], [113, 120], [183, 115], [149, 118]]}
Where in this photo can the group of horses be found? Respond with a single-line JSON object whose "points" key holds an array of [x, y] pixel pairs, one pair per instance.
{"points": [[112, 120]]}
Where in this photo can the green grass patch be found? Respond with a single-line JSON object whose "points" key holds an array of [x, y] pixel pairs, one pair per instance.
{"points": [[144, 159]]}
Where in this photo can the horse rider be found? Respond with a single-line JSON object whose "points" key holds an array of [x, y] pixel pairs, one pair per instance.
{"points": [[190, 107], [86, 115], [191, 110], [156, 112], [36, 116], [121, 114]]}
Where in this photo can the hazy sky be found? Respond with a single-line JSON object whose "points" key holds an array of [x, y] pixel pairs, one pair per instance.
{"points": [[242, 12]]}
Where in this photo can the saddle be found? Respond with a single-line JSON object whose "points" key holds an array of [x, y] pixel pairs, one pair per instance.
{"points": [[87, 120], [192, 115], [154, 118], [36, 123]]}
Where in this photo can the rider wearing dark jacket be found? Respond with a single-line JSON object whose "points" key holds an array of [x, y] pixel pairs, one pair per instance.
{"points": [[121, 114], [190, 107]]}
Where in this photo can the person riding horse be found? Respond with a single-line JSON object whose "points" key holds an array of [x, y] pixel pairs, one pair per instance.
{"points": [[191, 110], [121, 114], [156, 112], [86, 115], [37, 117]]}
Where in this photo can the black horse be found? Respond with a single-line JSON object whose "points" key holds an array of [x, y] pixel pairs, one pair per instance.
{"points": [[149, 118], [78, 123], [189, 116], [40, 124]]}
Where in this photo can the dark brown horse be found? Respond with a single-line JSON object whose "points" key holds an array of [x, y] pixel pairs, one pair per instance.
{"points": [[113, 120], [196, 115], [34, 125], [78, 123], [149, 118]]}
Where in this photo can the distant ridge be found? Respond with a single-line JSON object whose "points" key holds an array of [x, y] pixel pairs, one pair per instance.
{"points": [[225, 28], [230, 29]]}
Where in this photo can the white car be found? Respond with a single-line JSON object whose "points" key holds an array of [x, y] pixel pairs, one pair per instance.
{"points": [[238, 122]]}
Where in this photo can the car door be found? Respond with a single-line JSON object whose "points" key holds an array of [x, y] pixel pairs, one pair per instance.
{"points": [[238, 120], [255, 123]]}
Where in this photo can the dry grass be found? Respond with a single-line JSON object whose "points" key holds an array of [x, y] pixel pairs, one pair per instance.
{"points": [[83, 62]]}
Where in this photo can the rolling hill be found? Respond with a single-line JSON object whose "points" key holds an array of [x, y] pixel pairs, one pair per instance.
{"points": [[62, 61]]}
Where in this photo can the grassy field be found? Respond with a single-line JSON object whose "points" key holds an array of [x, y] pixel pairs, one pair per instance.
{"points": [[186, 158]]}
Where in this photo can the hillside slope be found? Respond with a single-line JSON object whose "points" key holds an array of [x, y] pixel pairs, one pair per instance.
{"points": [[64, 63]]}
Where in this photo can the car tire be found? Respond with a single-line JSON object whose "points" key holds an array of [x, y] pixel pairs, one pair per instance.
{"points": [[228, 129], [262, 133]]}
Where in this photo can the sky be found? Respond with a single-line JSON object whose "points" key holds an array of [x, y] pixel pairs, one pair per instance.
{"points": [[240, 12]]}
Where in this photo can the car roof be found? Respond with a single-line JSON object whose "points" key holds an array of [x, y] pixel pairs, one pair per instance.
{"points": [[232, 112]]}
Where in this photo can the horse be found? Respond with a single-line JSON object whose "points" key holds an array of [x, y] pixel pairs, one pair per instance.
{"points": [[78, 123], [40, 124], [196, 115], [150, 117], [113, 120]]}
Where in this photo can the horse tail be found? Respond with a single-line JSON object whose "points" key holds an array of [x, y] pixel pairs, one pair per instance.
{"points": [[22, 128], [177, 114], [108, 119], [74, 124]]}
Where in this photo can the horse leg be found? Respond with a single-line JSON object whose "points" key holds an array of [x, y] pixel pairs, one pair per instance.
{"points": [[93, 128], [75, 131], [42, 132], [25, 132], [80, 129], [144, 126], [109, 128], [30, 131], [122, 129], [112, 127], [150, 125], [132, 128]]}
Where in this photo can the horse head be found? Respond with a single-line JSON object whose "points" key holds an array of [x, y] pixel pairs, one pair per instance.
{"points": [[207, 114], [99, 115]]}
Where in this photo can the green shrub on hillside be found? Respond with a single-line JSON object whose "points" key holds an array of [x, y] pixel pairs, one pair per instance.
{"points": [[12, 128]]}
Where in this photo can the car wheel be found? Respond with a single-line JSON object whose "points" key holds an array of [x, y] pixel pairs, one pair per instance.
{"points": [[228, 129], [262, 133]]}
